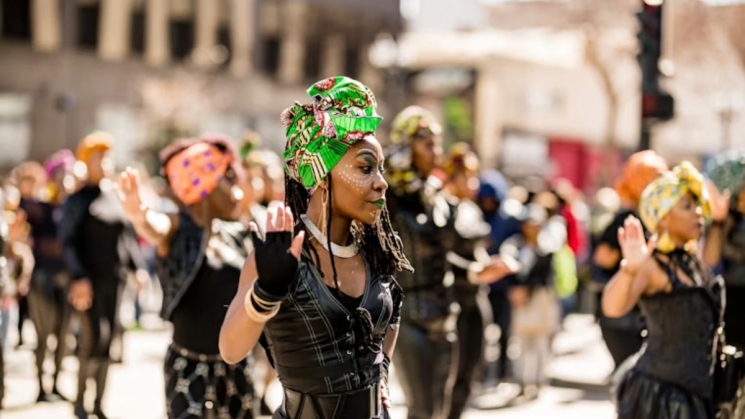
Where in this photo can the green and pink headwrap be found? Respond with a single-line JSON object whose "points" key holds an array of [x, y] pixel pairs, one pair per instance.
{"points": [[318, 134]]}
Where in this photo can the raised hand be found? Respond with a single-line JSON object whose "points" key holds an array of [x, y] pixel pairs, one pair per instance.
{"points": [[81, 294], [278, 255], [635, 248], [128, 190]]}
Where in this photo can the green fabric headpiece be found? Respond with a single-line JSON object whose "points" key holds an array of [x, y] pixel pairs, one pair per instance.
{"points": [[318, 134]]}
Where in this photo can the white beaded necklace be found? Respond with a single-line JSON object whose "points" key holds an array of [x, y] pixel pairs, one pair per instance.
{"points": [[344, 252]]}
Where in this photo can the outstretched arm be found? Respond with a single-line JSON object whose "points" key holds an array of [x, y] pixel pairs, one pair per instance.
{"points": [[156, 227], [628, 284]]}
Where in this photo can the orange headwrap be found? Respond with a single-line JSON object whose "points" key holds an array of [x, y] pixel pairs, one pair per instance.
{"points": [[196, 171], [641, 169], [97, 141]]}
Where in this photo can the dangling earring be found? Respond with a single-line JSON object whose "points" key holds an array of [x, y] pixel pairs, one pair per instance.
{"points": [[664, 243], [324, 211]]}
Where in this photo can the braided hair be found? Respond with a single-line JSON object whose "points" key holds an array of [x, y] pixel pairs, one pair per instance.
{"points": [[379, 242]]}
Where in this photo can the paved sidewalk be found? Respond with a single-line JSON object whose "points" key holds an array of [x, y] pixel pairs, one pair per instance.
{"points": [[135, 387]]}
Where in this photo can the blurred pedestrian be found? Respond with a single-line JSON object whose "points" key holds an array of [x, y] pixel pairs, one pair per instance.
{"points": [[29, 179], [535, 308], [98, 246], [462, 167], [50, 309], [426, 360]]}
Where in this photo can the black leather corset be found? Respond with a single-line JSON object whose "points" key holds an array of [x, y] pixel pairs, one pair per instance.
{"points": [[680, 345], [318, 346]]}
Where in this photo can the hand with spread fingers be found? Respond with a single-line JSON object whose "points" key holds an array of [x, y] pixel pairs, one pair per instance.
{"points": [[278, 255], [635, 248], [128, 188]]}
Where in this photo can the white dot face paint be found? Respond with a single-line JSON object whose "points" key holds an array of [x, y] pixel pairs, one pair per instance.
{"points": [[358, 186]]}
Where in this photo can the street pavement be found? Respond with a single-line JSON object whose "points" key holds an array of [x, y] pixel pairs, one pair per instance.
{"points": [[135, 389]]}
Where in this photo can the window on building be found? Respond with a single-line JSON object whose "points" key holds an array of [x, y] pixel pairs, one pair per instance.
{"points": [[182, 28], [270, 58], [16, 19], [88, 15], [137, 32]]}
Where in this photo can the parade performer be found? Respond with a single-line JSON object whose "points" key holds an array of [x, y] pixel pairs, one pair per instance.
{"points": [[680, 300], [326, 308], [426, 360], [50, 311], [98, 247], [200, 252]]}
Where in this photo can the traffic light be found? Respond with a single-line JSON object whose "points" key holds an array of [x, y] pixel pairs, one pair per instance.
{"points": [[658, 105], [650, 39]]}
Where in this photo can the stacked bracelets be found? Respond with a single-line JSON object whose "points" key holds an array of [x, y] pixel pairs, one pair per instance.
{"points": [[258, 306]]}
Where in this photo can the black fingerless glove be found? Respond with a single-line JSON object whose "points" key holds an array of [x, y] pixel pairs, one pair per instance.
{"points": [[275, 265]]}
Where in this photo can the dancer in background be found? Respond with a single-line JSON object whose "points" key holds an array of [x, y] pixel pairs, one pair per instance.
{"points": [[29, 179], [426, 362], [462, 168], [200, 252], [680, 299], [98, 247], [50, 310], [622, 335], [326, 308]]}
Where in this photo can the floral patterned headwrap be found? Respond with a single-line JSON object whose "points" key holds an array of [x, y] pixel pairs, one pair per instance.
{"points": [[640, 170], [196, 171], [343, 112], [662, 194], [413, 122]]}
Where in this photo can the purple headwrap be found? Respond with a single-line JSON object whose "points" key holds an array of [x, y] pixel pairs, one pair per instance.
{"points": [[63, 159]]}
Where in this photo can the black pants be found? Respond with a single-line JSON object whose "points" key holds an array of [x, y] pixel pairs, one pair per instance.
{"points": [[502, 312], [474, 316], [50, 313], [96, 332], [734, 316], [204, 386], [426, 365]]}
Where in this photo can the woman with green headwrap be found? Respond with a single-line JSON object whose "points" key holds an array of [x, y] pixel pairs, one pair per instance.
{"points": [[680, 299], [326, 309]]}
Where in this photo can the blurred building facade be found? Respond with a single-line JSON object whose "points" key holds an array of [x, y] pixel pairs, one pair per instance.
{"points": [[556, 83], [138, 67]]}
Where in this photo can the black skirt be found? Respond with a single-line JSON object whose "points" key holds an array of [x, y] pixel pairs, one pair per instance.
{"points": [[204, 386], [642, 396]]}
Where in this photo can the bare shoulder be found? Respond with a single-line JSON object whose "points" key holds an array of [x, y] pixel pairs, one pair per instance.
{"points": [[657, 279]]}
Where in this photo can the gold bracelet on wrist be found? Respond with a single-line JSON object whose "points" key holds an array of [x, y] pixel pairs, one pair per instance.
{"points": [[255, 315]]}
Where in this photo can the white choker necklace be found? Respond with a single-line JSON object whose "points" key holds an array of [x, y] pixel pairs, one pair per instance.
{"points": [[344, 252]]}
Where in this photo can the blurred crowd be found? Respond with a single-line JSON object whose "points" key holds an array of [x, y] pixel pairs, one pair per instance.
{"points": [[561, 248]]}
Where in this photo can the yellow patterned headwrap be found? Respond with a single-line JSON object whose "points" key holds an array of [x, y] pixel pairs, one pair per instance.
{"points": [[662, 194]]}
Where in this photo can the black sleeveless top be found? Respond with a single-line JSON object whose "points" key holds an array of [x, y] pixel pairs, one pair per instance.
{"points": [[681, 342], [319, 346]]}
